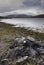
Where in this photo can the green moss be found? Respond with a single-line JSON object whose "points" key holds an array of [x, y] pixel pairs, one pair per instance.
{"points": [[1, 51]]}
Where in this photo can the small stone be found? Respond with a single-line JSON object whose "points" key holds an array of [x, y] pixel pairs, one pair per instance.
{"points": [[22, 59], [40, 50], [33, 53]]}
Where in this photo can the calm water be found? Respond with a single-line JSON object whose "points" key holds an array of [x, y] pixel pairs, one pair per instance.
{"points": [[26, 22]]}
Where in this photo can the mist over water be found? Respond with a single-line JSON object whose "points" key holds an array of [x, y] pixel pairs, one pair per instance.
{"points": [[26, 22]]}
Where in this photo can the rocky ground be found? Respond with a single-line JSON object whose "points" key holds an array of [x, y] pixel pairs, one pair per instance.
{"points": [[15, 47]]}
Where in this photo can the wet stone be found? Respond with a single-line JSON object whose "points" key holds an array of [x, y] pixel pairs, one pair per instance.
{"points": [[33, 53], [22, 59]]}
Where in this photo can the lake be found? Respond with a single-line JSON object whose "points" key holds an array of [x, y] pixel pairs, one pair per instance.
{"points": [[26, 22]]}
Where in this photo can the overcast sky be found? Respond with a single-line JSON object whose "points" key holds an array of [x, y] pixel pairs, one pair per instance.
{"points": [[7, 5]]}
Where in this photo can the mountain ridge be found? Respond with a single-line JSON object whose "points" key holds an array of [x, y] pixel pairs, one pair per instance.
{"points": [[21, 16]]}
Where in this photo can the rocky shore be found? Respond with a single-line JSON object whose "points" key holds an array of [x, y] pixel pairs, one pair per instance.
{"points": [[19, 46], [23, 51]]}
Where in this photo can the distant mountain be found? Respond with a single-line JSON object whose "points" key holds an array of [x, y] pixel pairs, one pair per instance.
{"points": [[24, 13], [21, 16], [38, 16]]}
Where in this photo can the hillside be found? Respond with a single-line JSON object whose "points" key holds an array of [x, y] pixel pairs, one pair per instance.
{"points": [[21, 16]]}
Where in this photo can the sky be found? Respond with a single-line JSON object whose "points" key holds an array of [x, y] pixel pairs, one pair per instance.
{"points": [[9, 5]]}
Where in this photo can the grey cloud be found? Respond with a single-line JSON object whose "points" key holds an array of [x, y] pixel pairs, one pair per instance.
{"points": [[42, 3], [38, 3], [8, 5]]}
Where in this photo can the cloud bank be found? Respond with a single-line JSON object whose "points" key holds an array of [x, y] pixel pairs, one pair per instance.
{"points": [[7, 5]]}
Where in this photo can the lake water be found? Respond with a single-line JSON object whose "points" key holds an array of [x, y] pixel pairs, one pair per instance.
{"points": [[26, 22]]}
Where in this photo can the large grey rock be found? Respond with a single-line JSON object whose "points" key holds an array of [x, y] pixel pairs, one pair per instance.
{"points": [[17, 42]]}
